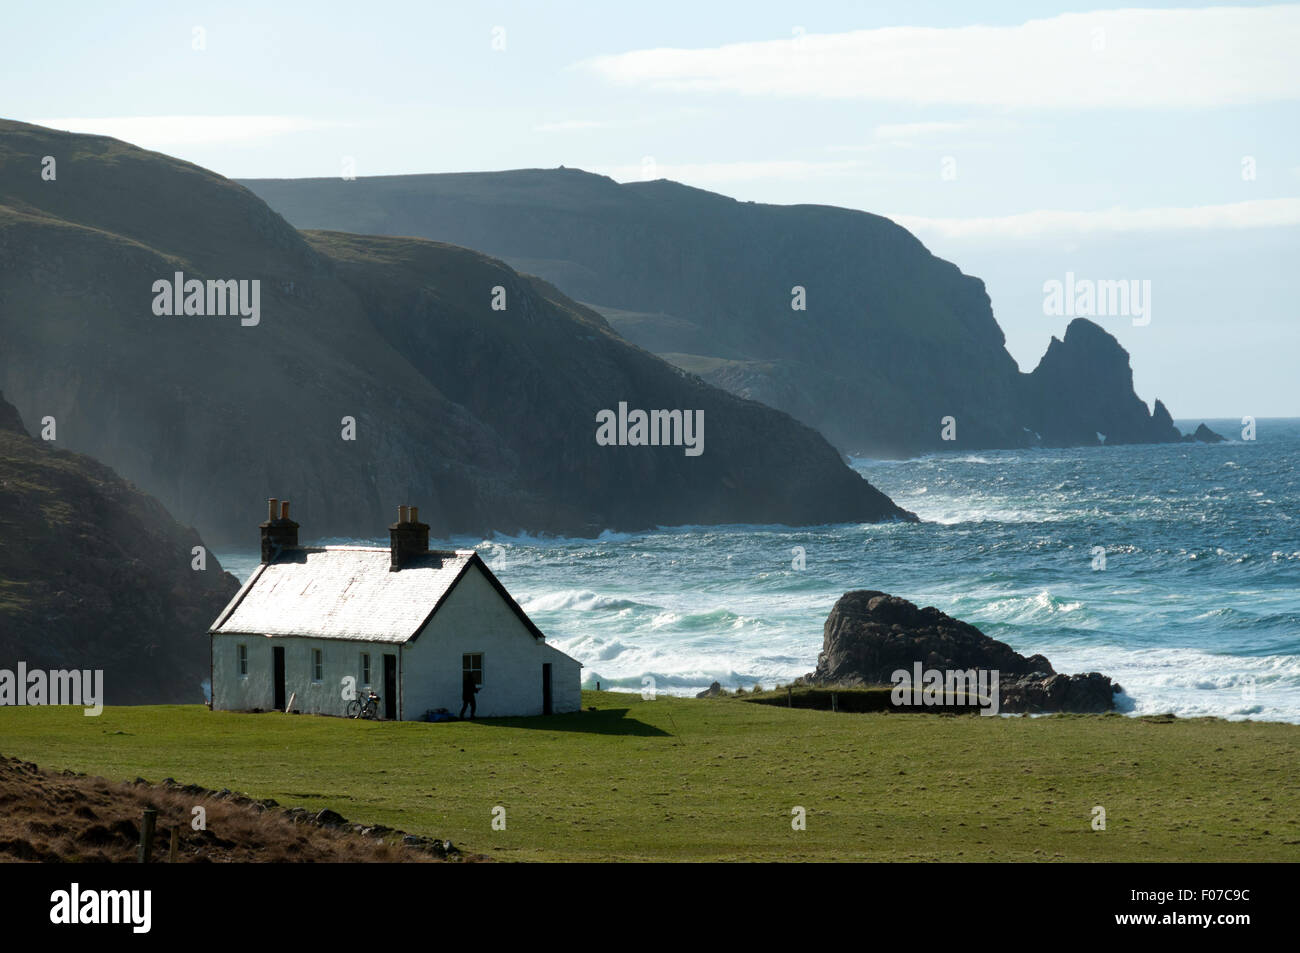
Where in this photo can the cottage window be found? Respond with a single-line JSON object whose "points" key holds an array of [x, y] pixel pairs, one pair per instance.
{"points": [[243, 660], [365, 668], [317, 666], [473, 665]]}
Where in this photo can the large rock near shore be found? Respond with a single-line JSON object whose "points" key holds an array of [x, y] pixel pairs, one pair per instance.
{"points": [[1091, 692], [869, 635]]}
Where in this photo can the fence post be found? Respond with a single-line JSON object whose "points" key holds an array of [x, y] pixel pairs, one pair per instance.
{"points": [[146, 835]]}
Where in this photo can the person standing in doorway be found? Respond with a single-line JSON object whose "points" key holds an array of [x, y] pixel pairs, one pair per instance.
{"points": [[468, 689]]}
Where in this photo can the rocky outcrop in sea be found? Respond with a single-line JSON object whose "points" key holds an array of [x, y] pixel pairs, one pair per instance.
{"points": [[869, 635]]}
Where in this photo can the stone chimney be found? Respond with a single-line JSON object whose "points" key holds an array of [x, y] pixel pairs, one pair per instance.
{"points": [[278, 532], [409, 537]]}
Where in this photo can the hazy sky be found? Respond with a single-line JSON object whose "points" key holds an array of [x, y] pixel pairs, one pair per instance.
{"points": [[1022, 142]]}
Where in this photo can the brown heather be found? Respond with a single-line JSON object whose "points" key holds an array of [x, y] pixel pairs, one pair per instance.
{"points": [[72, 818]]}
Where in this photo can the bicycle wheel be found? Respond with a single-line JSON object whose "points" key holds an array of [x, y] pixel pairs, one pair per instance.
{"points": [[354, 708]]}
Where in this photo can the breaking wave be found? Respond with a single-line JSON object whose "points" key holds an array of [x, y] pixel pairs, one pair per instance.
{"points": [[1196, 611]]}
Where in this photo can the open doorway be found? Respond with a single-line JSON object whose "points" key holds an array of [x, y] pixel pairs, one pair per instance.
{"points": [[390, 687], [277, 666]]}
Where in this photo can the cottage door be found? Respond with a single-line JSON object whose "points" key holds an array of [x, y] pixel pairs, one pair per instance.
{"points": [[546, 688], [390, 687], [277, 677]]}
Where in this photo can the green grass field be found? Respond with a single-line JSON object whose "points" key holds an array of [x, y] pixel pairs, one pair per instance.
{"points": [[716, 779]]}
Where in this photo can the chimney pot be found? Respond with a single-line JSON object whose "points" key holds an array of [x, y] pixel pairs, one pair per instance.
{"points": [[409, 537], [278, 532]]}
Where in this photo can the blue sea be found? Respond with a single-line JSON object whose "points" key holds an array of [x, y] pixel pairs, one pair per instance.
{"points": [[1196, 609]]}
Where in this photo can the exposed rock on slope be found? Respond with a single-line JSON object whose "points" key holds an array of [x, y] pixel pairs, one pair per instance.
{"points": [[870, 634], [485, 417], [893, 339], [95, 574]]}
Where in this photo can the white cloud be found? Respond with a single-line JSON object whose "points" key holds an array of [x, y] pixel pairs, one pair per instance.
{"points": [[855, 147], [569, 125], [914, 130], [915, 135], [1111, 58], [625, 122], [161, 132], [1257, 213]]}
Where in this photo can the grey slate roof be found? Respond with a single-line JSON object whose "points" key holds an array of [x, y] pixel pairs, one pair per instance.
{"points": [[347, 592]]}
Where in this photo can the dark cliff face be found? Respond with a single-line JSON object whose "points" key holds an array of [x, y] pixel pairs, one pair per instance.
{"points": [[541, 369], [456, 407], [893, 339], [1083, 386], [95, 574]]}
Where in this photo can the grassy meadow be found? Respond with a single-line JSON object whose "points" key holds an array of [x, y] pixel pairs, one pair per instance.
{"points": [[716, 779]]}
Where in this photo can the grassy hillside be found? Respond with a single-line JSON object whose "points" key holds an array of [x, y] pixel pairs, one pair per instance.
{"points": [[716, 779], [95, 574], [484, 418], [561, 361]]}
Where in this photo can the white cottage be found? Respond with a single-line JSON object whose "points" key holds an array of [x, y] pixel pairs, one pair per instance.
{"points": [[405, 620]]}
